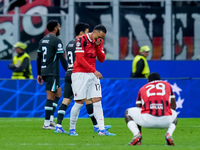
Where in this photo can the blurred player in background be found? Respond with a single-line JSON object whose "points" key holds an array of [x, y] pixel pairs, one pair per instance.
{"points": [[21, 63], [155, 108], [85, 78], [50, 51], [80, 29]]}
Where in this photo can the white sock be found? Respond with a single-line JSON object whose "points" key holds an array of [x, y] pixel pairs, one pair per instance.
{"points": [[51, 118], [59, 125], [133, 127], [74, 115], [96, 126], [46, 122], [171, 129], [98, 113]]}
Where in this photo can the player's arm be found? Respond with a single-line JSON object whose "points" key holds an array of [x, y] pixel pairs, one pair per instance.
{"points": [[138, 100], [140, 67], [63, 61], [81, 60], [173, 100], [100, 52], [23, 66], [39, 58], [60, 53]]}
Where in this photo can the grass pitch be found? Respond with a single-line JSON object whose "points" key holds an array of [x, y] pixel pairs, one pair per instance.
{"points": [[27, 134]]}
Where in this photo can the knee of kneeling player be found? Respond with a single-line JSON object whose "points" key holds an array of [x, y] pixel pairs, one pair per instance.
{"points": [[127, 117]]}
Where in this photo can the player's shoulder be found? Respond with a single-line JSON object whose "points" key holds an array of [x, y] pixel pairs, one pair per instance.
{"points": [[71, 44], [164, 82], [72, 41], [44, 38], [82, 38], [55, 38], [49, 38]]}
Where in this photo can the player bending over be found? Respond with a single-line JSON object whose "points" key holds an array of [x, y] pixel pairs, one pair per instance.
{"points": [[155, 108]]}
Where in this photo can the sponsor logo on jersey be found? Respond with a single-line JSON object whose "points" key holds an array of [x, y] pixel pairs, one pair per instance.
{"points": [[60, 48], [156, 106], [70, 45], [45, 41], [78, 44]]}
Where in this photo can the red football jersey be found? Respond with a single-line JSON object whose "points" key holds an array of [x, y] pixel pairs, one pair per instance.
{"points": [[86, 53], [155, 98]]}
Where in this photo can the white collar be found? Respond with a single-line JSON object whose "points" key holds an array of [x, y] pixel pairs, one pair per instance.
{"points": [[89, 37]]}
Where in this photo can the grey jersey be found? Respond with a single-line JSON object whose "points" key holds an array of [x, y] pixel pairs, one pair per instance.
{"points": [[50, 46], [70, 49]]}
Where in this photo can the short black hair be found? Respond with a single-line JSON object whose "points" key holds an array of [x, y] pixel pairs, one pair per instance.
{"points": [[51, 25], [81, 27], [100, 27], [153, 76]]}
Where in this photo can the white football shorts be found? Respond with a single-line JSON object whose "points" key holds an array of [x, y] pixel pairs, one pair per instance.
{"points": [[85, 85], [150, 121]]}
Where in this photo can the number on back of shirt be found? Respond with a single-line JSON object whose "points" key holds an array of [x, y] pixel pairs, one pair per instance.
{"points": [[159, 86], [44, 52], [70, 59]]}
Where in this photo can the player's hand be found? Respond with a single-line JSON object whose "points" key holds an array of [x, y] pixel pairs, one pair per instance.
{"points": [[39, 79], [98, 75], [97, 42]]}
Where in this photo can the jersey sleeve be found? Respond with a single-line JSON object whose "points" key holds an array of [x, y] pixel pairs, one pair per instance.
{"points": [[139, 99], [172, 95], [100, 52], [39, 57], [39, 50], [59, 46], [80, 45]]}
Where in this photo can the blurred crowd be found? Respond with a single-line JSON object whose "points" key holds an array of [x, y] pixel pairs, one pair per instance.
{"points": [[4, 8]]}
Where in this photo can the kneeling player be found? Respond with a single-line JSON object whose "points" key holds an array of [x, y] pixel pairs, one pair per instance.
{"points": [[155, 108]]}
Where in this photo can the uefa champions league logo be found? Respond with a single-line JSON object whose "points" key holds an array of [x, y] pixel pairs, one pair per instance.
{"points": [[179, 102]]}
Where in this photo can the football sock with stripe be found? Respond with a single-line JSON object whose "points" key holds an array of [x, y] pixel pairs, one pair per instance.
{"points": [[48, 110], [61, 113], [90, 111], [55, 104]]}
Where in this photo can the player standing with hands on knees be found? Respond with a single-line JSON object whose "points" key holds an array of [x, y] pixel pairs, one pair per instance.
{"points": [[155, 108], [86, 79], [50, 51]]}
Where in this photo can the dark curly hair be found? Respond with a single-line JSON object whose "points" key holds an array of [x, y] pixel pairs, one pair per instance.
{"points": [[51, 25], [153, 76]]}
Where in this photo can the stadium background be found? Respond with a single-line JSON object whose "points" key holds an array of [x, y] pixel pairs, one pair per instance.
{"points": [[170, 29]]}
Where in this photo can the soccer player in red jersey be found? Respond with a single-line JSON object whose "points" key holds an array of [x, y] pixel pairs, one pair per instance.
{"points": [[155, 108], [85, 78]]}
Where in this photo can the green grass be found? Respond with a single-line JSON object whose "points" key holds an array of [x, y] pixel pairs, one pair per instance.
{"points": [[27, 134]]}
